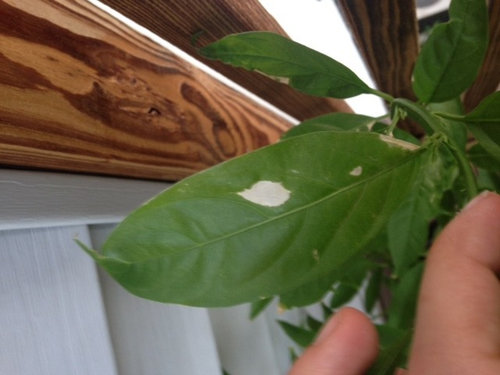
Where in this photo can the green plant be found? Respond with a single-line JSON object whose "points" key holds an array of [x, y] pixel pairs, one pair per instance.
{"points": [[342, 200]]}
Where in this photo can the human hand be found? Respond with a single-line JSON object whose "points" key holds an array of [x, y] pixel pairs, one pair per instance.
{"points": [[458, 315]]}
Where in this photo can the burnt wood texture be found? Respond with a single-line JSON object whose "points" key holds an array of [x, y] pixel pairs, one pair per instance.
{"points": [[81, 92]]}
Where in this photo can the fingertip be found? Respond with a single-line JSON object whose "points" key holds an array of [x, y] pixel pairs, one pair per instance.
{"points": [[475, 231], [458, 318], [348, 344]]}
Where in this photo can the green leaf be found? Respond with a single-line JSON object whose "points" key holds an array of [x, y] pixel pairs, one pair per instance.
{"points": [[314, 324], [488, 173], [488, 136], [488, 180], [293, 355], [332, 122], [372, 292], [404, 301], [487, 111], [408, 227], [393, 350], [484, 123], [350, 283], [310, 292], [265, 223], [327, 311], [450, 59], [301, 67], [455, 129], [258, 306], [301, 336], [481, 158], [381, 128]]}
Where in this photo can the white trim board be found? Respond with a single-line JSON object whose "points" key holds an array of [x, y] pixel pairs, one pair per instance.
{"points": [[41, 199]]}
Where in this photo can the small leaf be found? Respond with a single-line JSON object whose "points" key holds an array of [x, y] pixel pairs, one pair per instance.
{"points": [[488, 136], [455, 129], [301, 336], [408, 227], [488, 180], [404, 302], [293, 355], [309, 293], [350, 283], [394, 345], [450, 59], [258, 306], [327, 312], [343, 293], [303, 68], [372, 292], [314, 324], [332, 122], [203, 243], [484, 123], [481, 158]]}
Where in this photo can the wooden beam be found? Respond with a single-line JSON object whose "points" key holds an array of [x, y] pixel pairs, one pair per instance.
{"points": [[178, 21], [488, 79], [82, 92], [386, 32]]}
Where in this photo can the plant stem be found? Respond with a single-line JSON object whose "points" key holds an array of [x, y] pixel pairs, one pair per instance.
{"points": [[449, 116], [424, 118], [383, 95], [470, 179]]}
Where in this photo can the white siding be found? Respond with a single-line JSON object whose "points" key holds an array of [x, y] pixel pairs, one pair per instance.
{"points": [[52, 319], [152, 338], [59, 316]]}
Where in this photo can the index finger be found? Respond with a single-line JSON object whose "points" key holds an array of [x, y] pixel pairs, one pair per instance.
{"points": [[458, 317]]}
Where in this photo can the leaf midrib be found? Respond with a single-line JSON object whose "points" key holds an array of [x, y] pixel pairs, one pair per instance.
{"points": [[340, 77], [285, 214]]}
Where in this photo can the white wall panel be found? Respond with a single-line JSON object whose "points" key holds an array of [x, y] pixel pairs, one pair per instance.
{"points": [[151, 338], [249, 347], [52, 319], [41, 199]]}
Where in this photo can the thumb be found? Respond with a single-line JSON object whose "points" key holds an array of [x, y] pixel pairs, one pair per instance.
{"points": [[458, 320], [347, 345]]}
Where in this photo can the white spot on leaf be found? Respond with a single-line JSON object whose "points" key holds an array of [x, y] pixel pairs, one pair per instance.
{"points": [[356, 171], [315, 254], [394, 142], [266, 193], [281, 308], [279, 79]]}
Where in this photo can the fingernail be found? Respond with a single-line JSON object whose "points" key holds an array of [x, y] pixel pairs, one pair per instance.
{"points": [[476, 200], [328, 329]]}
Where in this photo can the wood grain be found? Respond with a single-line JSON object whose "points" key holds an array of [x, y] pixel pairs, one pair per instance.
{"points": [[386, 32], [488, 79], [178, 21], [80, 91]]}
